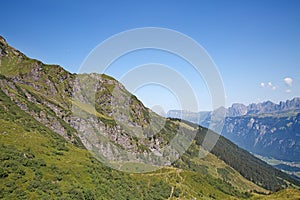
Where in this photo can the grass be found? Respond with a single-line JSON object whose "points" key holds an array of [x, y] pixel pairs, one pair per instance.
{"points": [[37, 163], [292, 194], [66, 170]]}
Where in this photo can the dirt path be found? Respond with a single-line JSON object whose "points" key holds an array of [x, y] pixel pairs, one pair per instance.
{"points": [[172, 190]]}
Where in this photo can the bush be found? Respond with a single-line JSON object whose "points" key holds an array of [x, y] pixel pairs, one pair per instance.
{"points": [[3, 173], [176, 192], [58, 177]]}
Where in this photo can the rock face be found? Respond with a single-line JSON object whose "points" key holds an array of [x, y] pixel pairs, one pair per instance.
{"points": [[237, 109], [66, 104], [3, 44], [267, 129]]}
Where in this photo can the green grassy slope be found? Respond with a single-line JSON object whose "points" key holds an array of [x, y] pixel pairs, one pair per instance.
{"points": [[42, 156], [292, 194], [37, 163], [250, 167]]}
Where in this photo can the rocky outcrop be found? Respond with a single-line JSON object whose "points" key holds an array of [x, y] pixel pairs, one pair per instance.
{"points": [[114, 120]]}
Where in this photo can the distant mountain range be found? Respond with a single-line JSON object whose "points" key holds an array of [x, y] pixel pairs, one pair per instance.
{"points": [[238, 109], [267, 107], [267, 129]]}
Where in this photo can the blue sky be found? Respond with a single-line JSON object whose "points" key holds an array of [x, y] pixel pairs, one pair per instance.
{"points": [[255, 44]]}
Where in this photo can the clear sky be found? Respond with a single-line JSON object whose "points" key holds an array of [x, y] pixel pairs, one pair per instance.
{"points": [[255, 44]]}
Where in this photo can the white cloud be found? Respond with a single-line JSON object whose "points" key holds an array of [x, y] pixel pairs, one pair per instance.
{"points": [[288, 91], [288, 81], [268, 85]]}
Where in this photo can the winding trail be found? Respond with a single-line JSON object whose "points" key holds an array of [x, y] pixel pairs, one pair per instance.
{"points": [[172, 190]]}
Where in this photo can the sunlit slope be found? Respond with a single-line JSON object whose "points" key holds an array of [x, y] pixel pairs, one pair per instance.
{"points": [[43, 154], [38, 163]]}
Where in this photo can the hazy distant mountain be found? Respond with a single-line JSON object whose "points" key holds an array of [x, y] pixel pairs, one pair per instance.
{"points": [[266, 128], [238, 109], [263, 108]]}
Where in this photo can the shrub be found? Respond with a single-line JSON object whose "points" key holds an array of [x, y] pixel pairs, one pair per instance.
{"points": [[3, 173]]}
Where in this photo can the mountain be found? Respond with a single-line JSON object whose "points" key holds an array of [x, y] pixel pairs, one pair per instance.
{"points": [[267, 107], [50, 140], [266, 129], [275, 136], [238, 109]]}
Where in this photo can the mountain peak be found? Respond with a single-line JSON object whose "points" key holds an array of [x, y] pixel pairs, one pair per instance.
{"points": [[3, 46], [13, 56], [237, 109], [3, 41], [15, 64]]}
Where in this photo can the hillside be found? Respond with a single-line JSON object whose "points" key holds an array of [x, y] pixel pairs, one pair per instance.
{"points": [[44, 146]]}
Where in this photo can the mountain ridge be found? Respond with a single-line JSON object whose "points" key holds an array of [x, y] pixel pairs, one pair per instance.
{"points": [[36, 104], [239, 109], [266, 128]]}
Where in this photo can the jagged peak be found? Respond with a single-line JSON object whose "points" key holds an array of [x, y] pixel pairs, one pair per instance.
{"points": [[3, 41]]}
